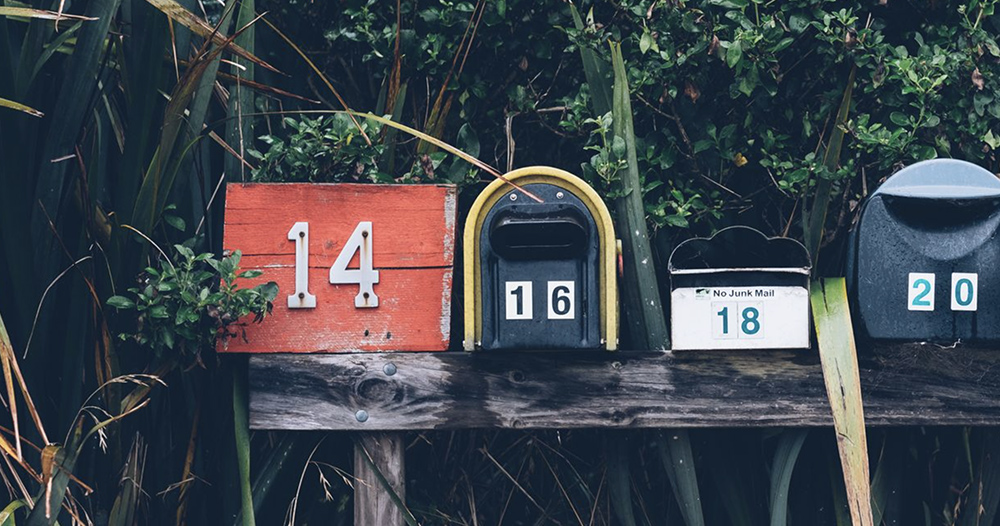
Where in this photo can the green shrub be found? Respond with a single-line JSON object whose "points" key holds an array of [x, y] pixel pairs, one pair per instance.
{"points": [[180, 308]]}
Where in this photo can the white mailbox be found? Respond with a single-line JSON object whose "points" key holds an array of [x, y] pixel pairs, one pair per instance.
{"points": [[739, 290]]}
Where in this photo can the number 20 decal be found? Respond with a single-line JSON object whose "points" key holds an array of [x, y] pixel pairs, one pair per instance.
{"points": [[365, 276], [964, 291]]}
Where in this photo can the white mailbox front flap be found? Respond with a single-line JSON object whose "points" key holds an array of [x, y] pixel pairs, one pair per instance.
{"points": [[740, 316]]}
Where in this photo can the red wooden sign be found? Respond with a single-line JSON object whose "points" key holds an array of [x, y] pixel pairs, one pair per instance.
{"points": [[359, 267]]}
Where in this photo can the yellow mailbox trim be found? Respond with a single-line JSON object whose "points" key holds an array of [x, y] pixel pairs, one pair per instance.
{"points": [[472, 285]]}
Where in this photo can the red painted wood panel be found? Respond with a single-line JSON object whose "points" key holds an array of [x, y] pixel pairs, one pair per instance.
{"points": [[413, 241]]}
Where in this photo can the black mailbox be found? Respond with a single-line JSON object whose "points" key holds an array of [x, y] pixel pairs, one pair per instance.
{"points": [[924, 239], [540, 274], [739, 289]]}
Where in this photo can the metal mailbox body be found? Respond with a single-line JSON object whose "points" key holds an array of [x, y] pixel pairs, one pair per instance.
{"points": [[540, 275], [739, 290], [923, 242]]}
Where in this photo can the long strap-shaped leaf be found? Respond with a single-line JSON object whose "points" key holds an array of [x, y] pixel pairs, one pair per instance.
{"points": [[838, 355], [4, 103], [815, 219]]}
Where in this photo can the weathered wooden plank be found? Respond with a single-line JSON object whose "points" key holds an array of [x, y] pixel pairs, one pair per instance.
{"points": [[412, 237], [902, 384], [378, 462]]}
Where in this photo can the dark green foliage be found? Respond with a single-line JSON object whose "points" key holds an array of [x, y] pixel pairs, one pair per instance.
{"points": [[180, 305], [326, 149]]}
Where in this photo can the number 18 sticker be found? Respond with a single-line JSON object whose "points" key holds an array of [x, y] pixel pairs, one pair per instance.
{"points": [[737, 320]]}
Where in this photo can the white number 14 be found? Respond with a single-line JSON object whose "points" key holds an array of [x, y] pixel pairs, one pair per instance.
{"points": [[366, 276]]}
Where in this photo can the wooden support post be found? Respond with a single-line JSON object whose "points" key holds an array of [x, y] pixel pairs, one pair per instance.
{"points": [[379, 461]]}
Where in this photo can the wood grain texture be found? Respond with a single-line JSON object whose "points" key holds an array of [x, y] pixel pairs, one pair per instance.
{"points": [[413, 240], [378, 454], [905, 384]]}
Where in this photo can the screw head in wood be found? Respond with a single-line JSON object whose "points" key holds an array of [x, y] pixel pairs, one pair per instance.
{"points": [[361, 415], [389, 369]]}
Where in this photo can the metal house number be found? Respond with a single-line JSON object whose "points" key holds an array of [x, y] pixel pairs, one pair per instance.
{"points": [[365, 276]]}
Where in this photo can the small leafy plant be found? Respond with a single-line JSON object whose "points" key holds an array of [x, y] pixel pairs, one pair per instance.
{"points": [[183, 307], [321, 150]]}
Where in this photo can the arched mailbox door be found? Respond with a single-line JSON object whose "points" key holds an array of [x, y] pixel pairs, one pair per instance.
{"points": [[739, 290], [540, 275], [925, 257]]}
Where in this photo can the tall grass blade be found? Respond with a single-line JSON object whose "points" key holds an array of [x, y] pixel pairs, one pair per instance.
{"points": [[596, 71], [271, 466], [10, 361], [239, 130], [981, 508], [444, 146], [815, 218], [838, 356], [123, 512], [640, 292], [678, 461], [159, 179], [179, 14], [620, 478], [241, 425], [7, 514], [789, 446], [79, 81], [26, 12], [4, 103]]}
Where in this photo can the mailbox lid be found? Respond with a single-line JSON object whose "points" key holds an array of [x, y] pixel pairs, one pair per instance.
{"points": [[739, 290], [942, 179], [535, 257]]}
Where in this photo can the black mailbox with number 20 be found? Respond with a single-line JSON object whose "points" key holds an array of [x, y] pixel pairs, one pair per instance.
{"points": [[539, 265], [924, 257]]}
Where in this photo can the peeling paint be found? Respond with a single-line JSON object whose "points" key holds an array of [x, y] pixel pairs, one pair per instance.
{"points": [[446, 305], [450, 215]]}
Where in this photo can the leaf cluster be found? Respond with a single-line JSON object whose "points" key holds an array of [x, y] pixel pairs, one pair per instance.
{"points": [[191, 303]]}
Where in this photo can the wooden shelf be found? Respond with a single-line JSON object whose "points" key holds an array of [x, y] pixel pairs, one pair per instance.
{"points": [[903, 385]]}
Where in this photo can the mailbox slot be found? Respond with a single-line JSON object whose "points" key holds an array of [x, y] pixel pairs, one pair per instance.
{"points": [[521, 234]]}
